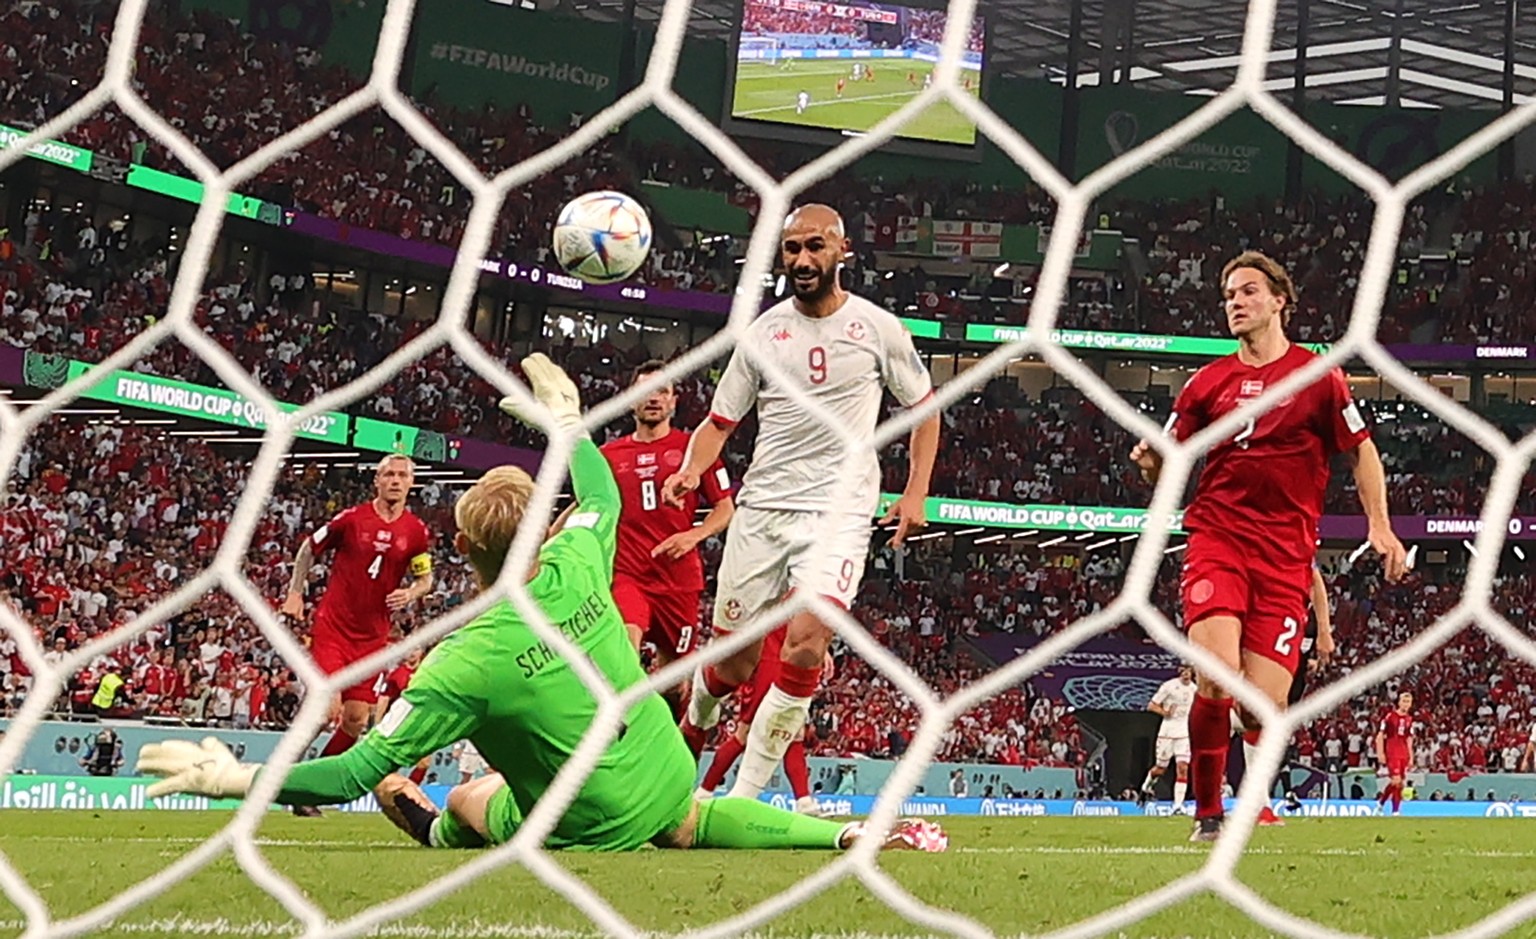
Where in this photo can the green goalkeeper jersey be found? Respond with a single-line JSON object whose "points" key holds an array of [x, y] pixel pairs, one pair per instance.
{"points": [[496, 684]]}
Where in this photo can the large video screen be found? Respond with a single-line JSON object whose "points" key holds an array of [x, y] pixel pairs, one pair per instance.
{"points": [[844, 67]]}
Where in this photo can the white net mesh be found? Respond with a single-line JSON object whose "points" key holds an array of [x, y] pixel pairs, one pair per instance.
{"points": [[1217, 875]]}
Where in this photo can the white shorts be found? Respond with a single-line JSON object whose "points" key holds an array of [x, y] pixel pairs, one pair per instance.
{"points": [[1171, 748], [768, 552]]}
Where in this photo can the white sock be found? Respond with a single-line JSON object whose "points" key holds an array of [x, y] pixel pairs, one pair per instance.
{"points": [[703, 707], [1250, 760], [1147, 783], [780, 719], [1180, 790]]}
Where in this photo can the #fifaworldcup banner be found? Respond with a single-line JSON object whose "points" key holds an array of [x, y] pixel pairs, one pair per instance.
{"points": [[486, 53]]}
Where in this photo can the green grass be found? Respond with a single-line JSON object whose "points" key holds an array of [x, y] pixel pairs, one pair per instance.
{"points": [[1386, 877], [764, 92]]}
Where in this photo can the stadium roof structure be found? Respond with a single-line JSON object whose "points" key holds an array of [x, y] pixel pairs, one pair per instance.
{"points": [[1417, 53]]}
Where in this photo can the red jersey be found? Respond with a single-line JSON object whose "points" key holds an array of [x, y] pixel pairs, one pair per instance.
{"points": [[1397, 727], [1267, 482], [395, 681], [645, 521], [372, 556]]}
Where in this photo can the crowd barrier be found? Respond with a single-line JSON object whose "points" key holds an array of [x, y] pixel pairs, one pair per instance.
{"points": [[127, 793]]}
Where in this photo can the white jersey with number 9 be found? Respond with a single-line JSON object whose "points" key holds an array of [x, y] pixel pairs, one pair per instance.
{"points": [[841, 362]]}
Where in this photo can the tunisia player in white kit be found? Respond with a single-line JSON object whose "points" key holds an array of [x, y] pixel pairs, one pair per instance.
{"points": [[1172, 703], [798, 525]]}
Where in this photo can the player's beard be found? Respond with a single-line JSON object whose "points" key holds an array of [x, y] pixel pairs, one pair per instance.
{"points": [[820, 287]]}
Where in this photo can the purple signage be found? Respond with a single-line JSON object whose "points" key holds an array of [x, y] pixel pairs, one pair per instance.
{"points": [[442, 256], [1417, 352], [484, 455], [1105, 673], [1424, 527], [12, 361]]}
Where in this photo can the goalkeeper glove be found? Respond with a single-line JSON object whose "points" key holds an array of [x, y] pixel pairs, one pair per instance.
{"points": [[207, 769], [551, 388]]}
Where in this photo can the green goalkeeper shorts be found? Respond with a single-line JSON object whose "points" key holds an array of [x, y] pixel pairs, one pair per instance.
{"points": [[623, 806]]}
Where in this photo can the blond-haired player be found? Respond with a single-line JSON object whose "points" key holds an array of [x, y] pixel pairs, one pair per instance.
{"points": [[377, 545]]}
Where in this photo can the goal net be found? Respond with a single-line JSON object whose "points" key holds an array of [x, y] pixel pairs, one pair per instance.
{"points": [[1217, 876]]}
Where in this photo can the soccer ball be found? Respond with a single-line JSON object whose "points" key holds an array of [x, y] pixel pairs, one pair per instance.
{"points": [[602, 237]]}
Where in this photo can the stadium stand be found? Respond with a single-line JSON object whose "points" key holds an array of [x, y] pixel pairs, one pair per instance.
{"points": [[73, 288]]}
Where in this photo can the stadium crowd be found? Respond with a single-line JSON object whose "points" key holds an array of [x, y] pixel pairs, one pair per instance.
{"points": [[93, 541], [105, 518], [87, 300], [230, 92]]}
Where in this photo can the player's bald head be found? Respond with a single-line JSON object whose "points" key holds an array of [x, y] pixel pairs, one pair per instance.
{"points": [[488, 516], [812, 250], [814, 217]]}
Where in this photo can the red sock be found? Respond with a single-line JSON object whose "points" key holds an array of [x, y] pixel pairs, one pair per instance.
{"points": [[716, 685], [1210, 733], [1397, 797], [339, 743], [726, 756], [798, 682], [796, 770], [418, 775]]}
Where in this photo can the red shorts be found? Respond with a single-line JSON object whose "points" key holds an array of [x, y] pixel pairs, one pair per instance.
{"points": [[669, 621], [1397, 764], [750, 695], [1269, 598], [334, 652]]}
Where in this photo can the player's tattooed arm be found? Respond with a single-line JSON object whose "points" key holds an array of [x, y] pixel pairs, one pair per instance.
{"points": [[293, 604]]}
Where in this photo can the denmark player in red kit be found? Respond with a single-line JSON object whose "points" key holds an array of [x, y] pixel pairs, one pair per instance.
{"points": [[1253, 519], [797, 771], [1394, 751], [376, 544], [657, 574]]}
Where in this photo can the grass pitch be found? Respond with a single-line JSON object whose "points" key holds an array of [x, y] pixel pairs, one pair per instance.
{"points": [[1385, 877], [766, 92]]}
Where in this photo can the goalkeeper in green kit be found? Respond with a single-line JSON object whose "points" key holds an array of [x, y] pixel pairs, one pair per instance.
{"points": [[495, 683]]}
